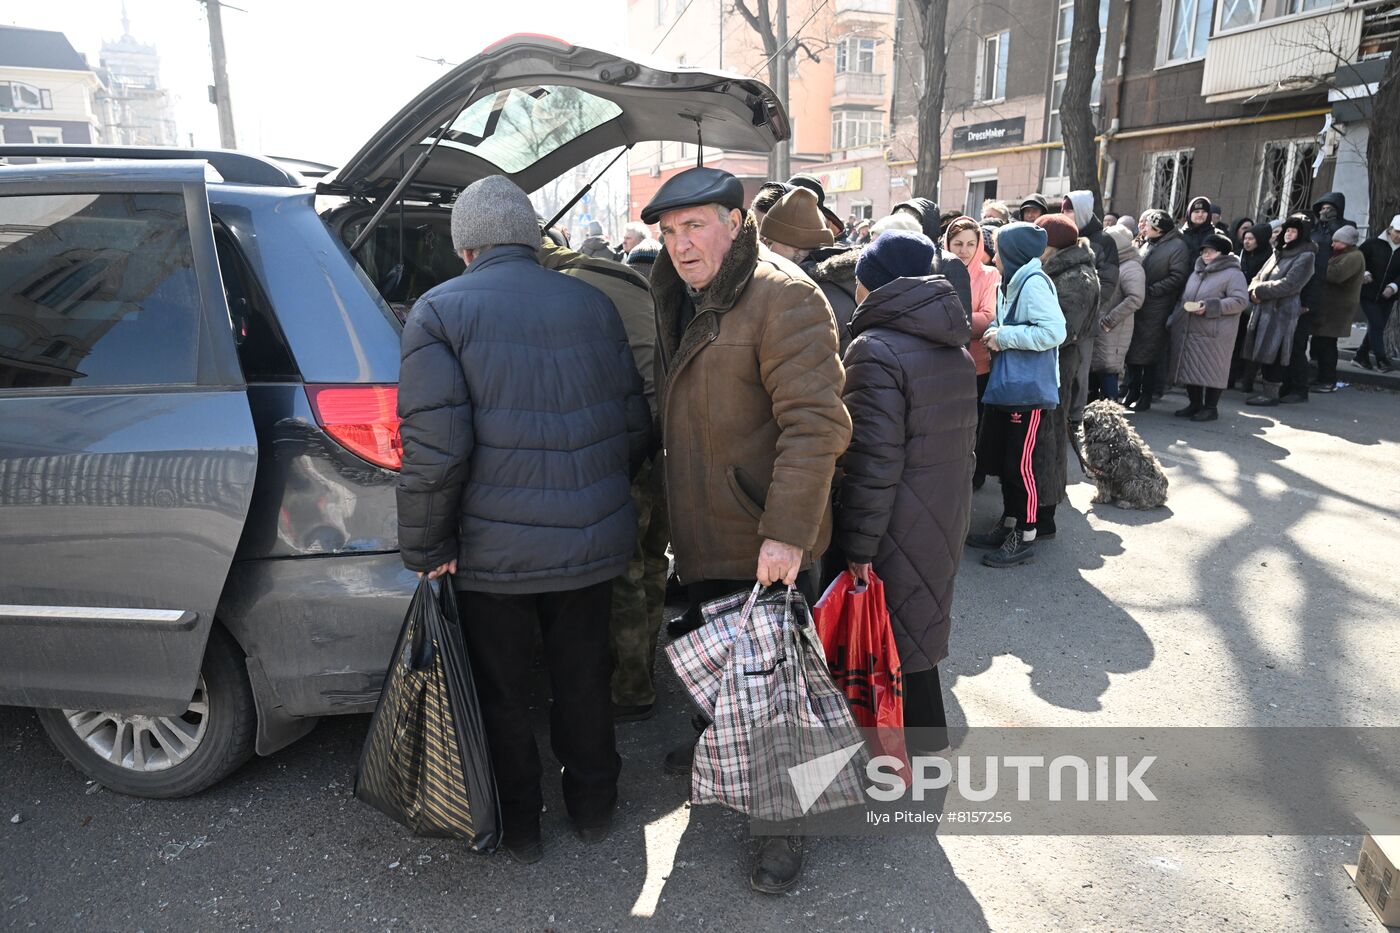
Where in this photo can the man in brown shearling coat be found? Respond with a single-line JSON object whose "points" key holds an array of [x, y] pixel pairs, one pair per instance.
{"points": [[749, 397]]}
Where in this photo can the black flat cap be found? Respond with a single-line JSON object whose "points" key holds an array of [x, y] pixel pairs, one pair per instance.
{"points": [[695, 186]]}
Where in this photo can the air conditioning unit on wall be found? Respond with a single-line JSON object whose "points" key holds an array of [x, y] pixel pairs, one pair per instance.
{"points": [[654, 171]]}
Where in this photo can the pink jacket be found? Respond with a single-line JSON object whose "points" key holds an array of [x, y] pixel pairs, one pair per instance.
{"points": [[985, 282]]}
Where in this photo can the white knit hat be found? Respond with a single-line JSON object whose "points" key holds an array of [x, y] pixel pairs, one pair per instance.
{"points": [[1395, 222]]}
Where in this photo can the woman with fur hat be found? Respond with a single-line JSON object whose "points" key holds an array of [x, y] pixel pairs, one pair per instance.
{"points": [[905, 499], [1337, 303], [1276, 296], [1203, 327], [1166, 263]]}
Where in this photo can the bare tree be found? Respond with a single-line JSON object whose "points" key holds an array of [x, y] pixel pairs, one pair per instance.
{"points": [[1077, 105], [771, 26], [1322, 58], [932, 23], [1383, 146]]}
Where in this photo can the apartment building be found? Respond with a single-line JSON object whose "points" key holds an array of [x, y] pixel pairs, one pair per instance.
{"points": [[48, 92], [1259, 104], [839, 98]]}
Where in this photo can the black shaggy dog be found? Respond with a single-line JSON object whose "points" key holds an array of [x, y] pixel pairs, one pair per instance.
{"points": [[1119, 461]]}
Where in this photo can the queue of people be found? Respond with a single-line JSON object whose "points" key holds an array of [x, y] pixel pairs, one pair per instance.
{"points": [[775, 396]]}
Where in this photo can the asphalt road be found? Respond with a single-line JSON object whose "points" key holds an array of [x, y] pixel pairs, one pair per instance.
{"points": [[1264, 595]]}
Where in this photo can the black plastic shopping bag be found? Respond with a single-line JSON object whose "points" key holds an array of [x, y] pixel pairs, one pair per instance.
{"points": [[426, 762]]}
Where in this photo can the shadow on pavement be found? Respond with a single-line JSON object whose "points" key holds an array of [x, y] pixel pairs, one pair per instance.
{"points": [[1083, 637]]}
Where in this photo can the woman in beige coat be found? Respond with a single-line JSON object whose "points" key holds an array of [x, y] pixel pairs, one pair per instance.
{"points": [[1115, 330]]}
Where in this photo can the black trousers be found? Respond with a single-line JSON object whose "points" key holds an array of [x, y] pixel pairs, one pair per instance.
{"points": [[981, 388], [1298, 375], [1377, 314], [1324, 354], [574, 629], [1201, 397], [1238, 364], [1012, 435]]}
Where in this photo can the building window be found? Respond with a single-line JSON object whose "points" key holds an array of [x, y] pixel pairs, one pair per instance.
{"points": [[856, 129], [855, 54], [1308, 6], [1168, 180], [992, 55], [661, 12], [1064, 30], [47, 136], [1237, 13], [1286, 177], [1186, 27], [17, 96]]}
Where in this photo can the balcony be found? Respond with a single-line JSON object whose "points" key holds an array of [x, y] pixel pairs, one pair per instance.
{"points": [[876, 7], [1280, 56], [858, 85]]}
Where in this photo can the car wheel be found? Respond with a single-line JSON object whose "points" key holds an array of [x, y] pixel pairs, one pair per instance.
{"points": [[166, 756]]}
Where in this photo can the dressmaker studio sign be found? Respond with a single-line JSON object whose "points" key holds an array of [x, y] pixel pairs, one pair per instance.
{"points": [[991, 135]]}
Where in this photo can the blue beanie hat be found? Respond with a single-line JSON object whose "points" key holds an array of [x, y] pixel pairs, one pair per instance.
{"points": [[894, 254], [1019, 243]]}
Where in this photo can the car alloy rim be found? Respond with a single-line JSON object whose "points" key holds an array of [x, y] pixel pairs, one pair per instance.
{"points": [[143, 743]]}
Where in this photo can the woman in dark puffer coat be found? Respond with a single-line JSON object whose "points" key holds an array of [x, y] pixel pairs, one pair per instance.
{"points": [[906, 495], [1166, 261]]}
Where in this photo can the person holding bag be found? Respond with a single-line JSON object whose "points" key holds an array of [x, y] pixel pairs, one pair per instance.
{"points": [[519, 488], [906, 493], [1022, 393]]}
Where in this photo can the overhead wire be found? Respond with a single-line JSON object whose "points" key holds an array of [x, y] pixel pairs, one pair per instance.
{"points": [[797, 34]]}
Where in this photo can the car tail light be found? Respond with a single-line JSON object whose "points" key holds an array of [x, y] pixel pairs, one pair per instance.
{"points": [[362, 419]]}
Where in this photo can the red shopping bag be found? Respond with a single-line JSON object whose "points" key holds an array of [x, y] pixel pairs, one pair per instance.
{"points": [[853, 623]]}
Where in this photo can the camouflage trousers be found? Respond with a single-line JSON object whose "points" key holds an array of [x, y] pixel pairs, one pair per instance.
{"points": [[639, 595]]}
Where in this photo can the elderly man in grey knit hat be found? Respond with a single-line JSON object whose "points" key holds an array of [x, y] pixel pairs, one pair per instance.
{"points": [[522, 421]]}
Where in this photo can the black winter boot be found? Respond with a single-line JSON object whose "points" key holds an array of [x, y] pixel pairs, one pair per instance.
{"points": [[993, 537], [778, 866]]}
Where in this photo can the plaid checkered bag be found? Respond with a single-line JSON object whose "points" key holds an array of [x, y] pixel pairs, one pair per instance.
{"points": [[757, 670]]}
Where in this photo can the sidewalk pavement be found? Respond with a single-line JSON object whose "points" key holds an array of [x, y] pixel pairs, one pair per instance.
{"points": [[1349, 372]]}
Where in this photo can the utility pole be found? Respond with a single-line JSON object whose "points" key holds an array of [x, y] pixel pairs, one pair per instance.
{"points": [[219, 91], [782, 162]]}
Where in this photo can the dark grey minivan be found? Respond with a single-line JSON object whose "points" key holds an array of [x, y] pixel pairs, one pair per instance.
{"points": [[198, 440]]}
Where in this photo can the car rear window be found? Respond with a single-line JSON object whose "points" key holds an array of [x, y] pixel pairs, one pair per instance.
{"points": [[515, 128], [96, 290]]}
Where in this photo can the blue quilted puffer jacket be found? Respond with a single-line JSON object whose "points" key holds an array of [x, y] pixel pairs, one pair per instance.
{"points": [[523, 420]]}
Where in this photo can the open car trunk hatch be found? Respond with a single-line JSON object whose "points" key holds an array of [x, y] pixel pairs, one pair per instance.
{"points": [[532, 107]]}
